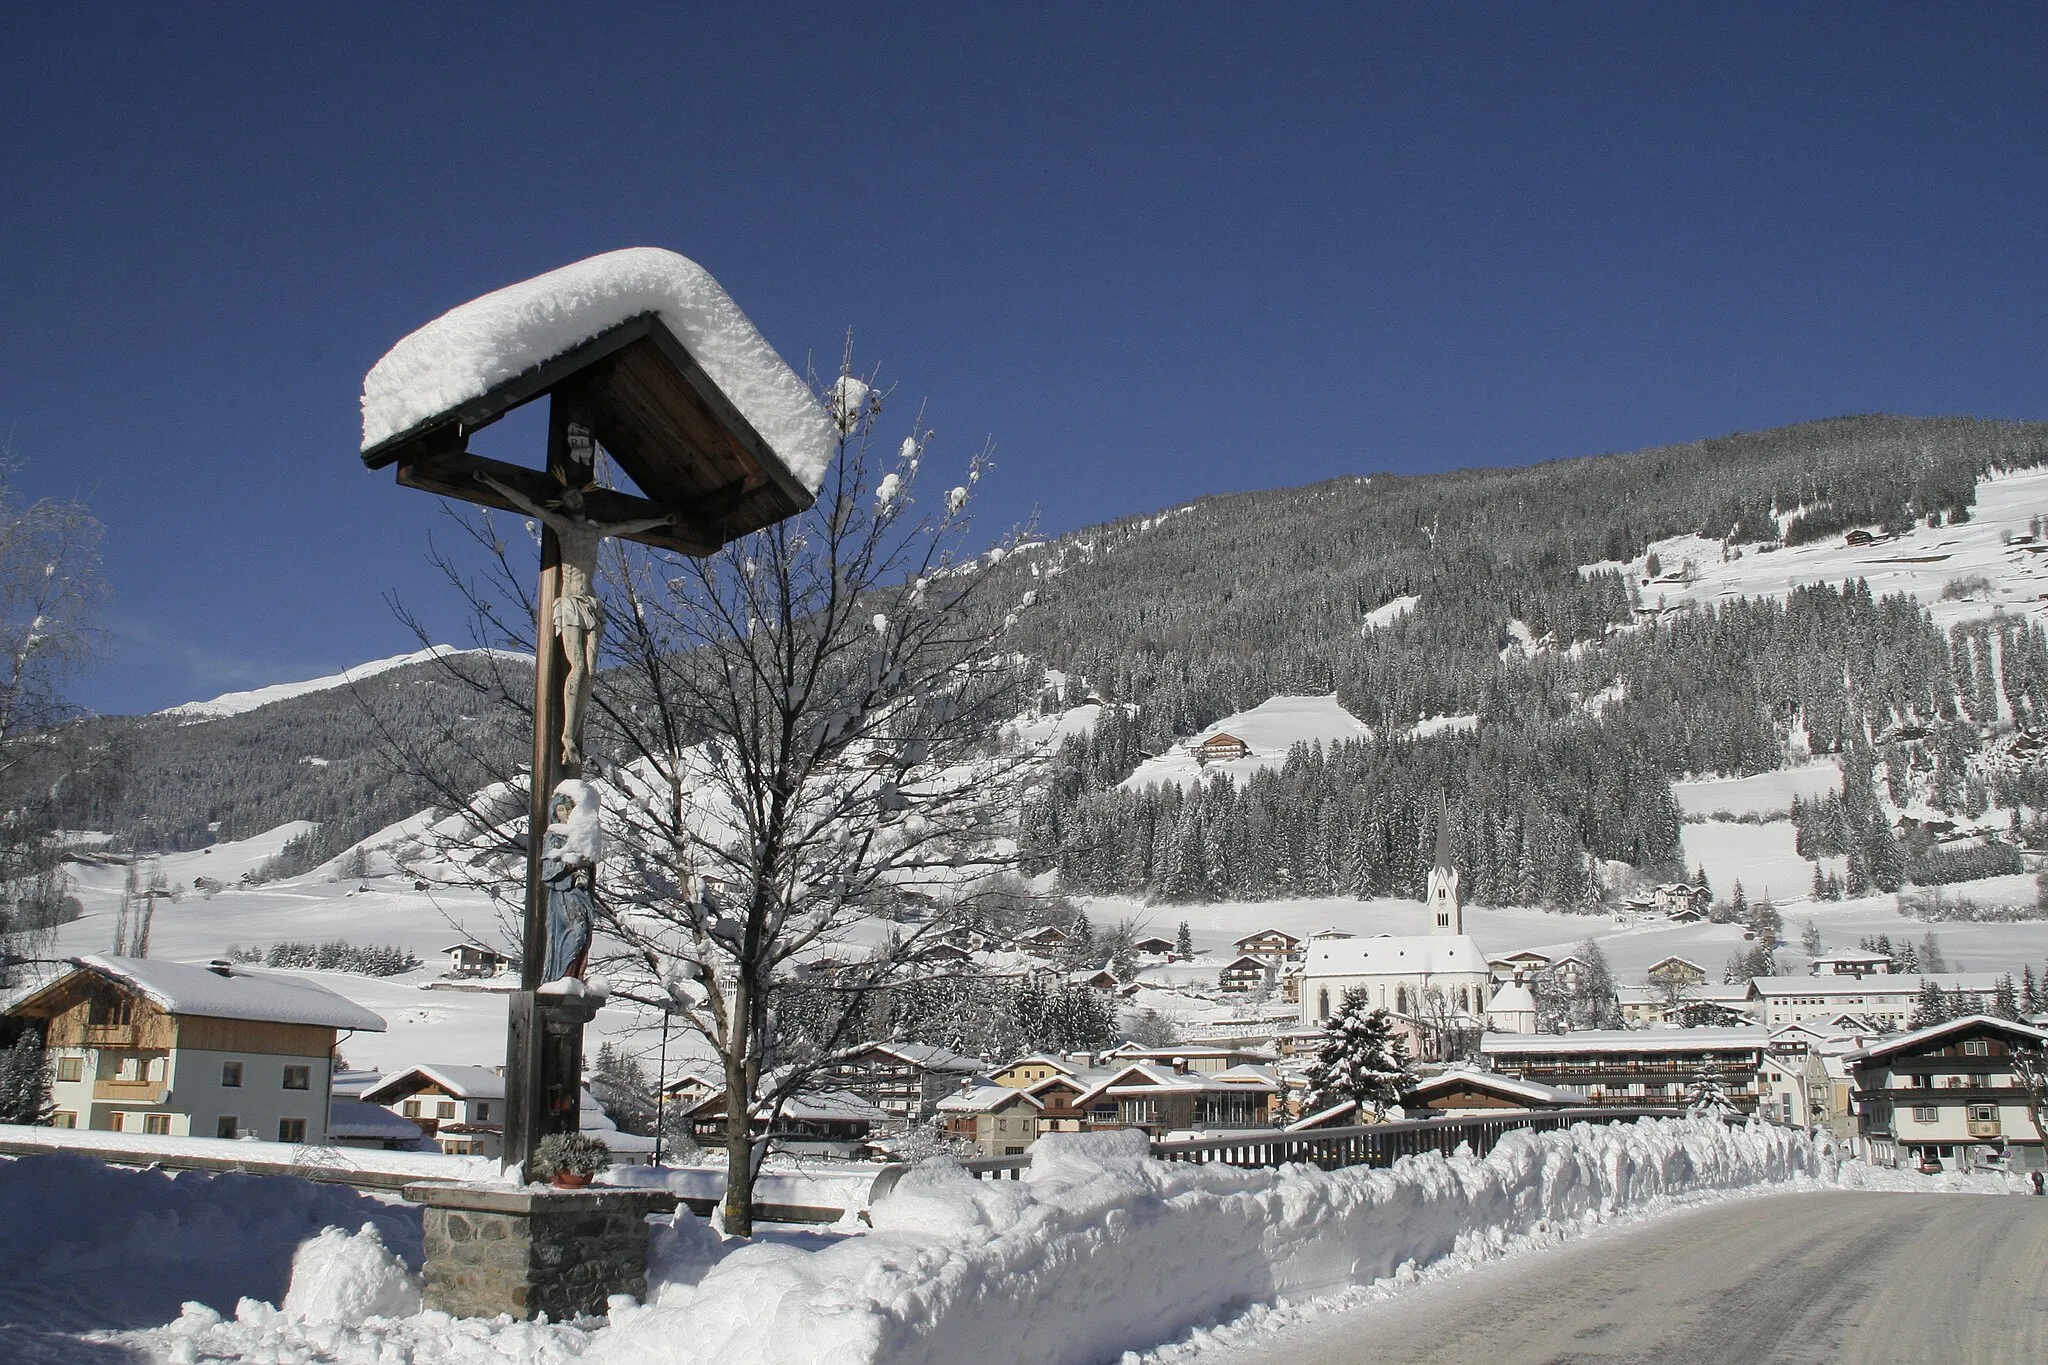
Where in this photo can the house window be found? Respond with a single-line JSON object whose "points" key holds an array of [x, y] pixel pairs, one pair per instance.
{"points": [[444, 1110], [231, 1075], [1976, 1047], [128, 1069], [483, 1113], [114, 1121], [228, 1127], [63, 1118], [71, 1068], [1323, 1003], [412, 1109], [298, 1078], [160, 1124], [291, 1130], [1983, 1113], [110, 1011], [1926, 1113]]}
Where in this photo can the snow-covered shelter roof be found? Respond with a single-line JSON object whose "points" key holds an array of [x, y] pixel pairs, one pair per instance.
{"points": [[1430, 954], [929, 1057], [1884, 983], [682, 390], [463, 1082], [226, 992], [1920, 1037]]}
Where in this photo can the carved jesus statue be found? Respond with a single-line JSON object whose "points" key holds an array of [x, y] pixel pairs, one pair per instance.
{"points": [[579, 616]]}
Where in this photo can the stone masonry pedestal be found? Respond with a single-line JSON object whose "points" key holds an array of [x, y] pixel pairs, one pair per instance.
{"points": [[495, 1249]]}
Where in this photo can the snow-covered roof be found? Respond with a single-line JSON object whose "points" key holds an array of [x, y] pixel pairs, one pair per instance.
{"points": [[235, 993], [1885, 983], [983, 1099], [470, 350], [463, 1082], [1622, 1040], [372, 1122], [929, 1056], [1920, 1037], [1495, 1083], [1405, 953], [1512, 999]]}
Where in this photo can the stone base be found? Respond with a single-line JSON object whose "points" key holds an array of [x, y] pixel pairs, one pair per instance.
{"points": [[495, 1249]]}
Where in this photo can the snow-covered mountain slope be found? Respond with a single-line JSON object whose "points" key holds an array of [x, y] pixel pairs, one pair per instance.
{"points": [[236, 703], [1270, 729], [1939, 566]]}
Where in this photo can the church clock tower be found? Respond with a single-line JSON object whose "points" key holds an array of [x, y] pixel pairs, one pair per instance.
{"points": [[1446, 917]]}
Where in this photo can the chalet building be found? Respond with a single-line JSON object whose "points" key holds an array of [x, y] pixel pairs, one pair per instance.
{"points": [[1038, 1066], [1047, 940], [693, 1086], [1205, 1060], [139, 1045], [823, 1123], [1858, 965], [903, 1080], [1686, 1004], [1794, 1085], [1274, 945], [1059, 1099], [944, 952], [1168, 1099], [1101, 979], [1677, 971], [1885, 999], [1933, 1094], [351, 1123], [999, 1120], [1248, 973], [1524, 965], [474, 960], [1155, 946], [1672, 897], [1633, 1067], [1221, 747], [461, 1109], [1462, 1090]]}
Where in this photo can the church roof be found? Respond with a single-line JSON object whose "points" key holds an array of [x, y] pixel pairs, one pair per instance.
{"points": [[1443, 832], [1420, 953]]}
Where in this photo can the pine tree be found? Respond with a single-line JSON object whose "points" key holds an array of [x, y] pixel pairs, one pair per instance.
{"points": [[2005, 999], [1363, 1058], [25, 1074], [1809, 937], [1184, 943], [2030, 994], [1932, 1007], [1707, 1095]]}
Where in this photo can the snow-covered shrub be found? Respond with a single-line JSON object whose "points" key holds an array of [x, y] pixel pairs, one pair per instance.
{"points": [[347, 1277]]}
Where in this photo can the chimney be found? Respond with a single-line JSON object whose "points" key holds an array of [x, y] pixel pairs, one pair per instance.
{"points": [[1180, 1066], [966, 1084]]}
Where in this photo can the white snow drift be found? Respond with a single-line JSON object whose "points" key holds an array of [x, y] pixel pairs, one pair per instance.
{"points": [[470, 350], [1098, 1250]]}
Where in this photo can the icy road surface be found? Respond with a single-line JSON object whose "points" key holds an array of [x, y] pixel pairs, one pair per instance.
{"points": [[1848, 1279]]}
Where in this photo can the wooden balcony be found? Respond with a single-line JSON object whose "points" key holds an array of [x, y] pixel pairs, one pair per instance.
{"points": [[131, 1092], [1985, 1128], [112, 1035]]}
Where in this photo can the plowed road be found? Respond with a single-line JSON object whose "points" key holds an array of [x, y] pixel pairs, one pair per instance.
{"points": [[1840, 1279]]}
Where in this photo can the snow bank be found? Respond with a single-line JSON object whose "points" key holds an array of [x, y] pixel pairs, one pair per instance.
{"points": [[94, 1246], [348, 1277], [1097, 1251], [470, 350], [1101, 1250]]}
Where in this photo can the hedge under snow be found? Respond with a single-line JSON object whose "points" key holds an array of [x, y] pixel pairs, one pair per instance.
{"points": [[470, 350], [1098, 1250]]}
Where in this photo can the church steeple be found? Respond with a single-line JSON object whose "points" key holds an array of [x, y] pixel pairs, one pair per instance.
{"points": [[1445, 914]]}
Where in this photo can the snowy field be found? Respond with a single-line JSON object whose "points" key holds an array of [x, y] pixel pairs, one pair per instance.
{"points": [[1097, 1251], [1922, 562], [1270, 728], [1762, 794], [464, 1028]]}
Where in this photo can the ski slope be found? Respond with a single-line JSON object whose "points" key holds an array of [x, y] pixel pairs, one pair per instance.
{"points": [[235, 703]]}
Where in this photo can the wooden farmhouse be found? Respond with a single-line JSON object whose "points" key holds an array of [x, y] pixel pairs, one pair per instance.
{"points": [[1166, 1099], [999, 1120], [1275, 945], [180, 1050], [903, 1080], [1222, 747], [1047, 940], [1248, 973], [474, 960]]}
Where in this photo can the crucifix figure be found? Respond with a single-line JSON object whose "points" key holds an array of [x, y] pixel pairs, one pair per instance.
{"points": [[579, 616]]}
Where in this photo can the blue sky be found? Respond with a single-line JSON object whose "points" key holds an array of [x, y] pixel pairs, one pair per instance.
{"points": [[1151, 251]]}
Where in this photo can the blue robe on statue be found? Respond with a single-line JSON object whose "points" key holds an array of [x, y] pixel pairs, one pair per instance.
{"points": [[572, 908]]}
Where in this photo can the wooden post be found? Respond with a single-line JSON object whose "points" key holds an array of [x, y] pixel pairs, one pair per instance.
{"points": [[533, 1069]]}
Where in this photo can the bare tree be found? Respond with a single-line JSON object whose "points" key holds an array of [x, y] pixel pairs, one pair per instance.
{"points": [[791, 732]]}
